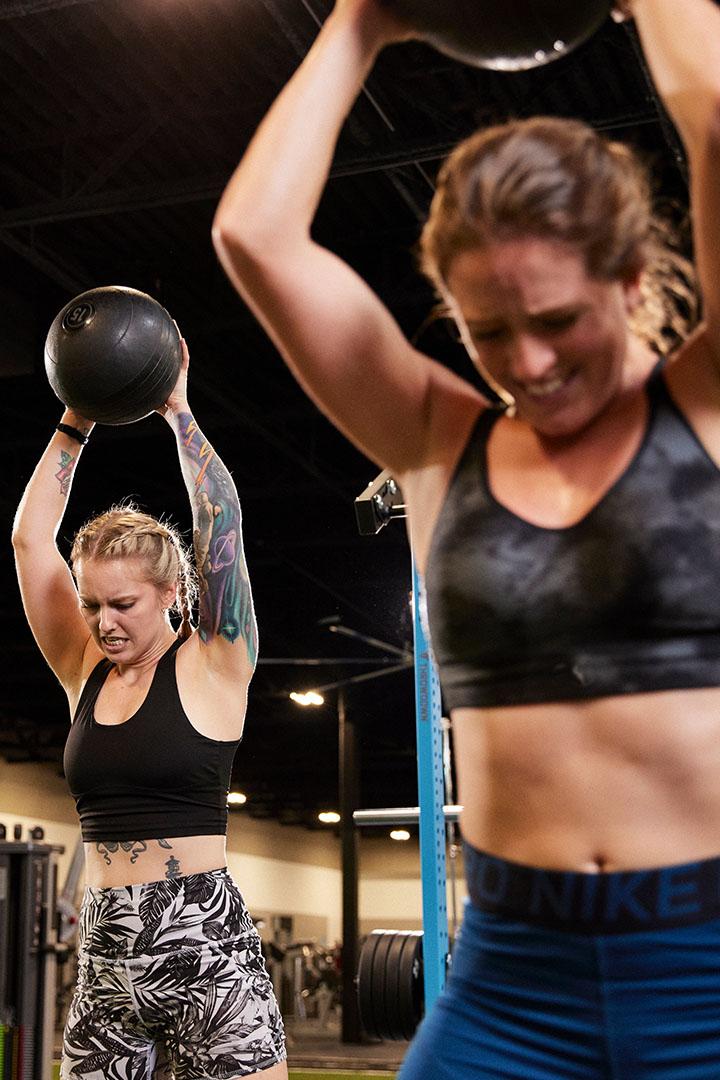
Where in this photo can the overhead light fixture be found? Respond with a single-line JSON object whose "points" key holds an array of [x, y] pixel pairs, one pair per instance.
{"points": [[399, 834], [308, 697], [329, 817], [236, 798]]}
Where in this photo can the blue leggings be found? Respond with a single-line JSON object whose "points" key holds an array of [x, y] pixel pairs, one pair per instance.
{"points": [[535, 1002]]}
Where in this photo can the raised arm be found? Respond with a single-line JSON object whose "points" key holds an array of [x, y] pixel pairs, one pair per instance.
{"points": [[227, 629], [336, 335], [46, 584], [681, 42]]}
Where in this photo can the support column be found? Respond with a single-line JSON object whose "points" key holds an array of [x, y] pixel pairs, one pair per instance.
{"points": [[349, 840], [431, 796]]}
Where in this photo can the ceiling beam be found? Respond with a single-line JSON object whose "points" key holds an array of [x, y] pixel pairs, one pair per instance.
{"points": [[59, 269], [16, 9], [209, 188]]}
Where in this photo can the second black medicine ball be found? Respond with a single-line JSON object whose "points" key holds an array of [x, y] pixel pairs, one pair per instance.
{"points": [[113, 354]]}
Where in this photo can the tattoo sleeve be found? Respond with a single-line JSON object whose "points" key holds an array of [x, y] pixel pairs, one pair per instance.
{"points": [[64, 475], [226, 608]]}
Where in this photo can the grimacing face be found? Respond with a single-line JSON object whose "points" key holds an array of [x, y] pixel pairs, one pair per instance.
{"points": [[125, 611], [545, 333]]}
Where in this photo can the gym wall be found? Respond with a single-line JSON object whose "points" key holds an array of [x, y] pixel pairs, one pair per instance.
{"points": [[390, 887]]}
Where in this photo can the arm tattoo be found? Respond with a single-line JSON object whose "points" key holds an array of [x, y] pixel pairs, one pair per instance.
{"points": [[64, 476], [226, 608]]}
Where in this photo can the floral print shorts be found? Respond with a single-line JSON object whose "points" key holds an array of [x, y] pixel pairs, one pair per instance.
{"points": [[171, 983]]}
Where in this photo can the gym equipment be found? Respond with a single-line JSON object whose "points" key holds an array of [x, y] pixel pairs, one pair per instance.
{"points": [[113, 354], [400, 815], [28, 948], [431, 794], [506, 35], [390, 984], [381, 501], [451, 830], [311, 979]]}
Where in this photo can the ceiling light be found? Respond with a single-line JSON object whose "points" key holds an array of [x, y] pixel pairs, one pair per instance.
{"points": [[236, 798], [399, 834], [308, 697], [329, 817]]}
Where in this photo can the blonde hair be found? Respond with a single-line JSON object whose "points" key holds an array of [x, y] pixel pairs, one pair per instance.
{"points": [[125, 532], [559, 179]]}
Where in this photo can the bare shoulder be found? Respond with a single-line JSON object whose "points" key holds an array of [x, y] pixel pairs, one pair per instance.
{"points": [[693, 379], [214, 701], [456, 406]]}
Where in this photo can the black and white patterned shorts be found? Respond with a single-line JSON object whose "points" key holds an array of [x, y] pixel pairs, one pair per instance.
{"points": [[170, 976]]}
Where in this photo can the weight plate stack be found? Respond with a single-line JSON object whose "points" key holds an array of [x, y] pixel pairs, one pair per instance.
{"points": [[390, 983]]}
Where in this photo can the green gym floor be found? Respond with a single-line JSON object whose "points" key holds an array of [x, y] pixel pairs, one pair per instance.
{"points": [[305, 1074]]}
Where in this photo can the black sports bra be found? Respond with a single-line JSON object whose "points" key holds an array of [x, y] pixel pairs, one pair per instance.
{"points": [[627, 600]]}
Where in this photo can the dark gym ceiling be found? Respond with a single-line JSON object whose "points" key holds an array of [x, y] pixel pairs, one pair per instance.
{"points": [[121, 121]]}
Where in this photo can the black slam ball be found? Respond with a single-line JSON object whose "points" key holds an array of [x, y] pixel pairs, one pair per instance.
{"points": [[113, 355], [505, 35]]}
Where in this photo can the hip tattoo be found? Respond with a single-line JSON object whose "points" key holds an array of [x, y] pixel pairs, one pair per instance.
{"points": [[137, 848]]}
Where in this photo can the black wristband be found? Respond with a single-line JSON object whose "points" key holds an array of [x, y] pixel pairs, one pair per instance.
{"points": [[73, 432]]}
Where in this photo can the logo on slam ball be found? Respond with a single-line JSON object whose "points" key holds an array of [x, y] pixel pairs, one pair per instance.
{"points": [[78, 315]]}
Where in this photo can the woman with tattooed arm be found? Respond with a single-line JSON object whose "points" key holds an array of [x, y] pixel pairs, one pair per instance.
{"points": [[170, 966]]}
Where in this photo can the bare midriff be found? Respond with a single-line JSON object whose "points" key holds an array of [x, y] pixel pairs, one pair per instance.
{"points": [[612, 784], [114, 863]]}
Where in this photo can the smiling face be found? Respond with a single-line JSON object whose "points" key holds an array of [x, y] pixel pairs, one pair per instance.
{"points": [[542, 330], [125, 611]]}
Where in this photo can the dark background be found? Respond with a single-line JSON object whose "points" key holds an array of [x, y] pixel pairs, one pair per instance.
{"points": [[121, 121]]}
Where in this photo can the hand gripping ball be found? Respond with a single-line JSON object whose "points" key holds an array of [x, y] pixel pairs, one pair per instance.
{"points": [[113, 354]]}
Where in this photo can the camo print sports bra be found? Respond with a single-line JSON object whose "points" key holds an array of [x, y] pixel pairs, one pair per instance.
{"points": [[627, 600]]}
